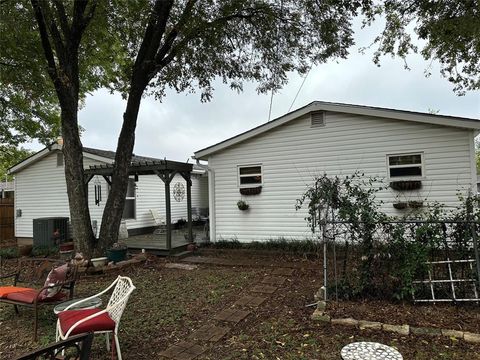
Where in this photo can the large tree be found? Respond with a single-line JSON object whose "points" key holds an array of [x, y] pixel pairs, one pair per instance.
{"points": [[9, 156], [449, 31], [143, 47]]}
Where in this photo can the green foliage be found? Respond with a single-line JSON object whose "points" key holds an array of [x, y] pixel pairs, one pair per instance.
{"points": [[44, 251], [350, 199], [9, 253], [9, 156], [448, 29], [382, 256], [281, 244]]}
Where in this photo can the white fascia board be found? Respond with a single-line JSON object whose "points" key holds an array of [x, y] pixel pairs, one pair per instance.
{"points": [[34, 158], [458, 122]]}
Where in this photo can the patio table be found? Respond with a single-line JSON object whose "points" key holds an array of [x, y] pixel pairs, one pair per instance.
{"points": [[89, 304], [369, 351]]}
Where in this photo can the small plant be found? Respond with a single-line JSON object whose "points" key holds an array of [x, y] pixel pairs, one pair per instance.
{"points": [[120, 245], [242, 205]]}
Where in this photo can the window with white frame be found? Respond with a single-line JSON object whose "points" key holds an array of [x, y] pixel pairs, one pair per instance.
{"points": [[405, 166], [250, 175], [130, 201]]}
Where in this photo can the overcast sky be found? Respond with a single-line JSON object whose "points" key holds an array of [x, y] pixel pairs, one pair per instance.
{"points": [[180, 125]]}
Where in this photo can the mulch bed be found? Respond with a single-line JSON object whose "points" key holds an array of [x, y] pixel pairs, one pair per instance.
{"points": [[461, 317]]}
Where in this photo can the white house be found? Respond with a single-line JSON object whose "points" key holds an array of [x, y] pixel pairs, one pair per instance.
{"points": [[41, 191], [283, 156]]}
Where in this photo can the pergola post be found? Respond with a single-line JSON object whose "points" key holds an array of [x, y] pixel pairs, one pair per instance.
{"points": [[188, 180], [168, 213]]}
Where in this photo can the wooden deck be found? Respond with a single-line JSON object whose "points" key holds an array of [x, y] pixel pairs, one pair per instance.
{"points": [[158, 242]]}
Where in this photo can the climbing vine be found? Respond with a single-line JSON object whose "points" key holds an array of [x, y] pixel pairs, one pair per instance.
{"points": [[382, 256]]}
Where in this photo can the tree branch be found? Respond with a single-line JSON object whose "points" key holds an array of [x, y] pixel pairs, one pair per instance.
{"points": [[62, 15], [47, 48], [172, 35]]}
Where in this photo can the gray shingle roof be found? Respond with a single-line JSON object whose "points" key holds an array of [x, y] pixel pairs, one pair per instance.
{"points": [[111, 155]]}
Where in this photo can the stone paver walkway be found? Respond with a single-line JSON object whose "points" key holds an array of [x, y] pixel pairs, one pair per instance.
{"points": [[231, 315], [206, 336], [264, 289], [250, 301]]}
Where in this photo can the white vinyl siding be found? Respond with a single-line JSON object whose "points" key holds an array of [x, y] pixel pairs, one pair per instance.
{"points": [[41, 191], [292, 154]]}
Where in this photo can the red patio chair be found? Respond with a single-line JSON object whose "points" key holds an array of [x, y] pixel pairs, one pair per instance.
{"points": [[37, 291]]}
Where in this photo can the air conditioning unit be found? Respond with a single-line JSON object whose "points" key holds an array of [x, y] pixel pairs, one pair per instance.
{"points": [[49, 232]]}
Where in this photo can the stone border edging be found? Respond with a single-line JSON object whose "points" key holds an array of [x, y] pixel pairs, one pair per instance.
{"points": [[319, 314]]}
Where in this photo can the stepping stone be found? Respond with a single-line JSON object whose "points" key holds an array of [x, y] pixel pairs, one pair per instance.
{"points": [[283, 271], [250, 301], [264, 289], [274, 280], [209, 333], [231, 315], [181, 266], [183, 351]]}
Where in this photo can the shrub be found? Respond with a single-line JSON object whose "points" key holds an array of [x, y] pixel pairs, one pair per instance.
{"points": [[9, 253]]}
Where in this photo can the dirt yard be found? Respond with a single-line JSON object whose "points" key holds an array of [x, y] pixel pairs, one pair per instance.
{"points": [[170, 304]]}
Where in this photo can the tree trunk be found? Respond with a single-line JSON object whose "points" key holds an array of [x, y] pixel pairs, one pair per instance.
{"points": [[112, 214], [77, 190]]}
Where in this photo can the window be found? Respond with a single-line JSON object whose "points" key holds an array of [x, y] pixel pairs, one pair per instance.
{"points": [[405, 166], [130, 201], [250, 176], [59, 159]]}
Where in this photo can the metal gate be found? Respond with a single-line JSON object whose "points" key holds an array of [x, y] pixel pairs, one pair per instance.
{"points": [[7, 223]]}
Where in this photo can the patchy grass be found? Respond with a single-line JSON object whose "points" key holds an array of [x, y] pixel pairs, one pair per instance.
{"points": [[166, 306], [169, 304]]}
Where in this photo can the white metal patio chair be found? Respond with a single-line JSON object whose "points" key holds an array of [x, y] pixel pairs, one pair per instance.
{"points": [[106, 321], [160, 222]]}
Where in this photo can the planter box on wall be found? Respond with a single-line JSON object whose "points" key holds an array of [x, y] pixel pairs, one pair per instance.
{"points": [[406, 185], [400, 205], [251, 191]]}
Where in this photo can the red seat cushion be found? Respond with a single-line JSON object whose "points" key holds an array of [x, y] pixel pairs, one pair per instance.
{"points": [[28, 296], [101, 322]]}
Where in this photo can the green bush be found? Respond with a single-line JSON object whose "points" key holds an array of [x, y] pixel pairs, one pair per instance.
{"points": [[9, 253], [44, 251]]}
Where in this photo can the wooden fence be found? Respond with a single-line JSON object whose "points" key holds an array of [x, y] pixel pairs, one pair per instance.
{"points": [[7, 223]]}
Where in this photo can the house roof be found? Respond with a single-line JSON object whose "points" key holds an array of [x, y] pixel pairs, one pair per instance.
{"points": [[106, 156], [454, 121]]}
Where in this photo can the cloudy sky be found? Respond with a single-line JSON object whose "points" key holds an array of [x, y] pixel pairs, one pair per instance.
{"points": [[180, 125]]}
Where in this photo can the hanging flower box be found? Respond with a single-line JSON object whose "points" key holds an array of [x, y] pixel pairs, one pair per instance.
{"points": [[406, 185], [415, 204], [400, 205], [251, 190]]}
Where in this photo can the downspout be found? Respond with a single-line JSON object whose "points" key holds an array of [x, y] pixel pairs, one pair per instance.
{"points": [[211, 203], [211, 200]]}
